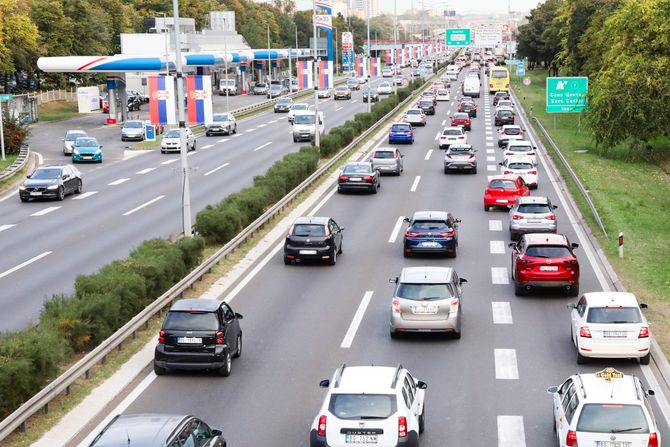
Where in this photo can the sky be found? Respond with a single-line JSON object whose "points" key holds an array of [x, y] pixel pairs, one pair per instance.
{"points": [[461, 6]]}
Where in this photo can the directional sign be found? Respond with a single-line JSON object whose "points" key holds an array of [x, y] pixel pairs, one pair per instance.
{"points": [[458, 37], [567, 95], [521, 71], [6, 97]]}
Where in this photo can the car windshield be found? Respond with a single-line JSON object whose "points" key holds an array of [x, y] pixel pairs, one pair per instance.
{"points": [[71, 136], [46, 173], [384, 154], [452, 132], [614, 315], [259, 84], [503, 184], [230, 82], [299, 107], [401, 126], [612, 418], [342, 89], [504, 113], [172, 133], [424, 292], [504, 103], [362, 406], [548, 251], [304, 119], [518, 165], [191, 321], [357, 169], [466, 105], [220, 118], [275, 87], [443, 92], [307, 230], [86, 142], [133, 124], [384, 84], [461, 116], [534, 208], [284, 101], [499, 73], [512, 131]]}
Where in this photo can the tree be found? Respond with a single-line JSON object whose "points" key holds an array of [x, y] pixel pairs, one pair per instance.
{"points": [[538, 40]]}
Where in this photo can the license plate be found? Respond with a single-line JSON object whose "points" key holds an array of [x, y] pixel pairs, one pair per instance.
{"points": [[613, 444], [614, 334], [355, 179], [425, 310], [36, 193], [501, 201], [307, 252], [430, 244], [189, 340], [360, 439], [548, 268], [534, 220]]}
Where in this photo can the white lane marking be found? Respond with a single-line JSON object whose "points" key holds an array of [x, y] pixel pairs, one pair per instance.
{"points": [[262, 146], [40, 159], [489, 158], [272, 122], [23, 264], [495, 225], [428, 154], [216, 169], [415, 184], [489, 138], [354, 101], [339, 108], [437, 135], [502, 312], [497, 247], [46, 211], [84, 195], [444, 122], [506, 369], [207, 146], [144, 205], [223, 140], [488, 132], [396, 229], [490, 151], [499, 275], [489, 144], [511, 431], [452, 103], [449, 112], [237, 135], [145, 171], [491, 167], [487, 121], [261, 125], [119, 181], [250, 130], [167, 162], [358, 317], [6, 227]]}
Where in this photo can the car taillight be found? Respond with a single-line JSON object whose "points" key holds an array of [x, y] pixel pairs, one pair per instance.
{"points": [[461, 137], [532, 172], [531, 153], [472, 156], [517, 217], [395, 306], [571, 439], [551, 217], [402, 426], [321, 429], [585, 332], [161, 336], [653, 440], [411, 234], [508, 172], [344, 178], [644, 332], [220, 338], [368, 178]]}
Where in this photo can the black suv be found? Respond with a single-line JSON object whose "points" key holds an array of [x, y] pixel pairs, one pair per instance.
{"points": [[314, 238], [198, 334], [51, 182], [504, 117], [427, 106], [158, 429]]}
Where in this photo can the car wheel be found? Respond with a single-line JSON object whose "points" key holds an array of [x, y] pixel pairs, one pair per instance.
{"points": [[227, 365], [519, 289], [61, 193], [452, 254], [333, 258], [339, 251], [422, 419], [645, 360], [581, 360], [238, 350], [235, 129], [574, 290], [287, 261], [456, 335], [24, 199], [79, 186], [375, 189], [295, 140], [193, 147], [159, 371], [474, 171], [394, 334], [486, 207], [407, 254]]}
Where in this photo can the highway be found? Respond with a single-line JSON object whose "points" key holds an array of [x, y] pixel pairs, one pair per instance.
{"points": [[486, 389], [126, 201]]}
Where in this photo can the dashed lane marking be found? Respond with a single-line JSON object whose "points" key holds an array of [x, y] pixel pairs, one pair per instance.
{"points": [[502, 312], [396, 229], [499, 275], [51, 209], [511, 431], [415, 184], [506, 369], [119, 181], [497, 247], [216, 169]]}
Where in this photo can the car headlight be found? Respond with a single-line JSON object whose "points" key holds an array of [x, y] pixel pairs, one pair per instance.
{"points": [[98, 152], [52, 187], [22, 188], [76, 151]]}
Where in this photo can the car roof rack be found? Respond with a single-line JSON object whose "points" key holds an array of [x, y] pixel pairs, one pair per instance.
{"points": [[396, 374], [338, 375]]}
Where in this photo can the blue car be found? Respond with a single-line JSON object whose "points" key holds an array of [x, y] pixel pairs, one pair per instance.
{"points": [[401, 133], [431, 232], [86, 149]]}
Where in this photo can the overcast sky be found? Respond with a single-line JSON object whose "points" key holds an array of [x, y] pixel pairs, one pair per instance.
{"points": [[461, 6]]}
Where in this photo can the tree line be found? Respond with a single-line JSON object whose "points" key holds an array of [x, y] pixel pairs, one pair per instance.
{"points": [[623, 46]]}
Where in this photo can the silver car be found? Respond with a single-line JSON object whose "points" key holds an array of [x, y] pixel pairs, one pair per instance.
{"points": [[132, 130], [70, 137], [415, 116], [388, 160], [532, 214], [222, 123], [427, 299], [171, 141], [460, 157]]}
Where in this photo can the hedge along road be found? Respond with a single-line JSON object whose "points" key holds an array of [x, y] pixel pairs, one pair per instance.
{"points": [[47, 244]]}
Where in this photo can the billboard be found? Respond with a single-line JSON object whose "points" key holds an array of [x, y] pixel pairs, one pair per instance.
{"points": [[347, 50]]}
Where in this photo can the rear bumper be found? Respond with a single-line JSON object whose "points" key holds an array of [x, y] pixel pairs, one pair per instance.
{"points": [[530, 228], [400, 139], [635, 348], [452, 323], [190, 360], [313, 253], [459, 166], [412, 440], [355, 186]]}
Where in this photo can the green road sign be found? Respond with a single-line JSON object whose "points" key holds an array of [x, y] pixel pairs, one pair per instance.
{"points": [[567, 95], [458, 37], [6, 97]]}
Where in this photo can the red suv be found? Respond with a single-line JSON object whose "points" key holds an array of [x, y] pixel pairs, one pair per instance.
{"points": [[544, 260], [503, 190]]}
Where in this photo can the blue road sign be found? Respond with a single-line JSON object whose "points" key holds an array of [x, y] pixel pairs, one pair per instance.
{"points": [[150, 132], [521, 71]]}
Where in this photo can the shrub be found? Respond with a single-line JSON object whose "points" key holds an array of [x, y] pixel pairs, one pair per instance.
{"points": [[250, 201], [191, 250], [160, 263]]}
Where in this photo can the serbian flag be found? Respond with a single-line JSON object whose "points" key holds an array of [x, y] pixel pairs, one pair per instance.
{"points": [[388, 57], [325, 74], [199, 99], [304, 74], [416, 52], [360, 66], [375, 69], [162, 100]]}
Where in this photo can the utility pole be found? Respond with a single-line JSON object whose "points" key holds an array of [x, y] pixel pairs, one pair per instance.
{"points": [[225, 67], [269, 60], [316, 80], [395, 41], [336, 56], [367, 63]]}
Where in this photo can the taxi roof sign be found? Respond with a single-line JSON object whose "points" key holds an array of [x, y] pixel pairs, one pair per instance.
{"points": [[608, 374]]}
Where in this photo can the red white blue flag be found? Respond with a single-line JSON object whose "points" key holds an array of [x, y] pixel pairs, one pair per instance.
{"points": [[199, 99], [325, 74], [375, 69], [304, 74], [162, 100]]}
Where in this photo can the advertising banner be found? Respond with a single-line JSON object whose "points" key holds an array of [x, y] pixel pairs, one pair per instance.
{"points": [[199, 99], [324, 21], [347, 50], [162, 100]]}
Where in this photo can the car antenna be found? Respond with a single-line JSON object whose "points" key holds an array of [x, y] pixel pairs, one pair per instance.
{"points": [[128, 436]]}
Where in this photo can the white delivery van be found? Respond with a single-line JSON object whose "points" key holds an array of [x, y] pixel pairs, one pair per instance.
{"points": [[471, 86], [453, 70], [304, 125], [227, 84]]}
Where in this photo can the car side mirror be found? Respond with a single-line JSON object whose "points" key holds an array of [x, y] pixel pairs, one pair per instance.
{"points": [[238, 316], [571, 306], [553, 207], [325, 383], [501, 163], [651, 393], [62, 139], [341, 228], [462, 280], [216, 432], [457, 220], [101, 146], [552, 389], [643, 306], [511, 244], [574, 245], [423, 385], [66, 176], [393, 280], [406, 219], [28, 176], [534, 147]]}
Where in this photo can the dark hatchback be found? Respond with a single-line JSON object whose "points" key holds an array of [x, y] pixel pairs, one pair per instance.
{"points": [[51, 182], [359, 176], [431, 232], [504, 117], [150, 429], [371, 94], [468, 107], [283, 105], [198, 334], [427, 105], [313, 238]]}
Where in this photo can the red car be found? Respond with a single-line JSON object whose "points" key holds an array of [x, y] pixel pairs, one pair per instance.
{"points": [[461, 119], [544, 260], [503, 190]]}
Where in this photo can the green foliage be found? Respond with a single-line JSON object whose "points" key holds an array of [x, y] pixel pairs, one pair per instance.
{"points": [[538, 39], [14, 132]]}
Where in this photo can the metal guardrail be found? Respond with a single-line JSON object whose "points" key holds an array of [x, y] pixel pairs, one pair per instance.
{"points": [[82, 368], [574, 177], [18, 164]]}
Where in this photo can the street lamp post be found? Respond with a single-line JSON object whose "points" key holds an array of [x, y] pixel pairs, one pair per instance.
{"points": [[367, 62], [269, 60], [316, 81], [395, 41], [337, 58], [167, 37], [225, 67]]}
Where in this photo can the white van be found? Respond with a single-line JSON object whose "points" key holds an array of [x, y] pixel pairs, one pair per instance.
{"points": [[227, 84], [304, 125], [453, 70], [471, 86]]}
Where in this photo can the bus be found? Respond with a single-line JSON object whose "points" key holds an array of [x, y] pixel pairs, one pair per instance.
{"points": [[498, 79]]}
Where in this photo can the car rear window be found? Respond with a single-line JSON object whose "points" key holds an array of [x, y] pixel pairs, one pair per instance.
{"points": [[429, 225], [424, 292], [452, 132], [357, 169], [133, 124], [548, 251], [498, 73], [614, 315], [504, 113], [534, 208], [401, 126], [384, 154], [362, 406], [502, 184], [414, 112], [461, 116], [514, 148], [308, 230], [512, 131], [612, 418], [191, 321], [520, 165]]}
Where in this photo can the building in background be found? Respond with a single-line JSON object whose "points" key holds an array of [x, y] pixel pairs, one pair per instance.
{"points": [[358, 8]]}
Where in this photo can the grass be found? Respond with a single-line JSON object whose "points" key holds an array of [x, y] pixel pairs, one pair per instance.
{"points": [[7, 162], [630, 196], [57, 110], [5, 184]]}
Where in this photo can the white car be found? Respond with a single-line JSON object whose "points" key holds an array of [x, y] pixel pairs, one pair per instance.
{"points": [[452, 135], [610, 325], [606, 409], [294, 108], [324, 93], [370, 405], [384, 88], [415, 116], [171, 141], [523, 166], [387, 73], [509, 132], [442, 94], [505, 104], [521, 147]]}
